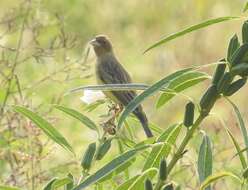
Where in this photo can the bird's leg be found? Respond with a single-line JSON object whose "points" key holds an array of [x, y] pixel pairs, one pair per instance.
{"points": [[114, 111]]}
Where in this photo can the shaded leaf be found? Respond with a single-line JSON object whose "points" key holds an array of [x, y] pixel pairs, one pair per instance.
{"points": [[205, 160]]}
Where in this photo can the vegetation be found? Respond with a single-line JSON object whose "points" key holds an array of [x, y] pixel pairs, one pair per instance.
{"points": [[51, 140]]}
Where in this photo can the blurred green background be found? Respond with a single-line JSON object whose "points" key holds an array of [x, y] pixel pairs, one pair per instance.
{"points": [[52, 61]]}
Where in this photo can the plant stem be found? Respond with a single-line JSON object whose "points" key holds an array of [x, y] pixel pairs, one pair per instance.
{"points": [[188, 136], [180, 151]]}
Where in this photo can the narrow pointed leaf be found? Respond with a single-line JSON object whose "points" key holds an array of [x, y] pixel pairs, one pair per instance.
{"points": [[79, 116], [139, 182], [205, 159], [45, 126], [241, 124], [215, 177], [181, 83], [108, 168], [149, 92], [238, 149], [189, 30], [167, 139], [2, 187]]}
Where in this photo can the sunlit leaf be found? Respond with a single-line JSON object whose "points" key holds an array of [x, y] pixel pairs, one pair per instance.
{"points": [[245, 7], [126, 184], [149, 92], [189, 30], [2, 187], [205, 160], [139, 182], [215, 177], [79, 116], [181, 83], [109, 167], [45, 126], [167, 139]]}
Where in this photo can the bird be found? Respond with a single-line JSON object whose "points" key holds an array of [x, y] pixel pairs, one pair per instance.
{"points": [[110, 71]]}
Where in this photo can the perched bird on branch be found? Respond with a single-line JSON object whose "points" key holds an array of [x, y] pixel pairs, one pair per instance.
{"points": [[110, 71]]}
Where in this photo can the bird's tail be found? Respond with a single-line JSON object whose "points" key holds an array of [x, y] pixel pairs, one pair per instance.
{"points": [[143, 119]]}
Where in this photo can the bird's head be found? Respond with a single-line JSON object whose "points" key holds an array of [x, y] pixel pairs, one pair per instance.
{"points": [[101, 45]]}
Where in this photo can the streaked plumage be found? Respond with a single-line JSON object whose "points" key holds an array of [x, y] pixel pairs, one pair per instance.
{"points": [[110, 71]]}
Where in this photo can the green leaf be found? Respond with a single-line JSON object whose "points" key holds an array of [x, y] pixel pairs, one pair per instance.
{"points": [[49, 184], [112, 87], [60, 183], [241, 124], [139, 182], [181, 83], [108, 168], [205, 160], [2, 187], [117, 171], [126, 184], [149, 92], [189, 30], [77, 115], [245, 7], [167, 139], [45, 126], [238, 149], [215, 177]]}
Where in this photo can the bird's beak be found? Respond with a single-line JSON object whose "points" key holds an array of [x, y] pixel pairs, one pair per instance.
{"points": [[94, 42]]}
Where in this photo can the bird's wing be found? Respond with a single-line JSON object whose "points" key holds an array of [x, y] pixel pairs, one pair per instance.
{"points": [[114, 73]]}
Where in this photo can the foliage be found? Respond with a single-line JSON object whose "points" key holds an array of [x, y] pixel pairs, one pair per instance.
{"points": [[41, 55]]}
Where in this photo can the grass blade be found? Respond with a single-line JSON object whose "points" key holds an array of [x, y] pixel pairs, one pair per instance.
{"points": [[189, 30], [45, 126], [8, 188]]}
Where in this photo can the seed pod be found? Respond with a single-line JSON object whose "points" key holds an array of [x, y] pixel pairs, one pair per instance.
{"points": [[224, 82], [88, 156], [240, 55], [234, 87], [240, 69], [233, 46], [189, 114], [168, 187], [219, 72], [245, 32], [208, 99], [148, 184], [103, 149], [163, 170], [245, 173]]}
